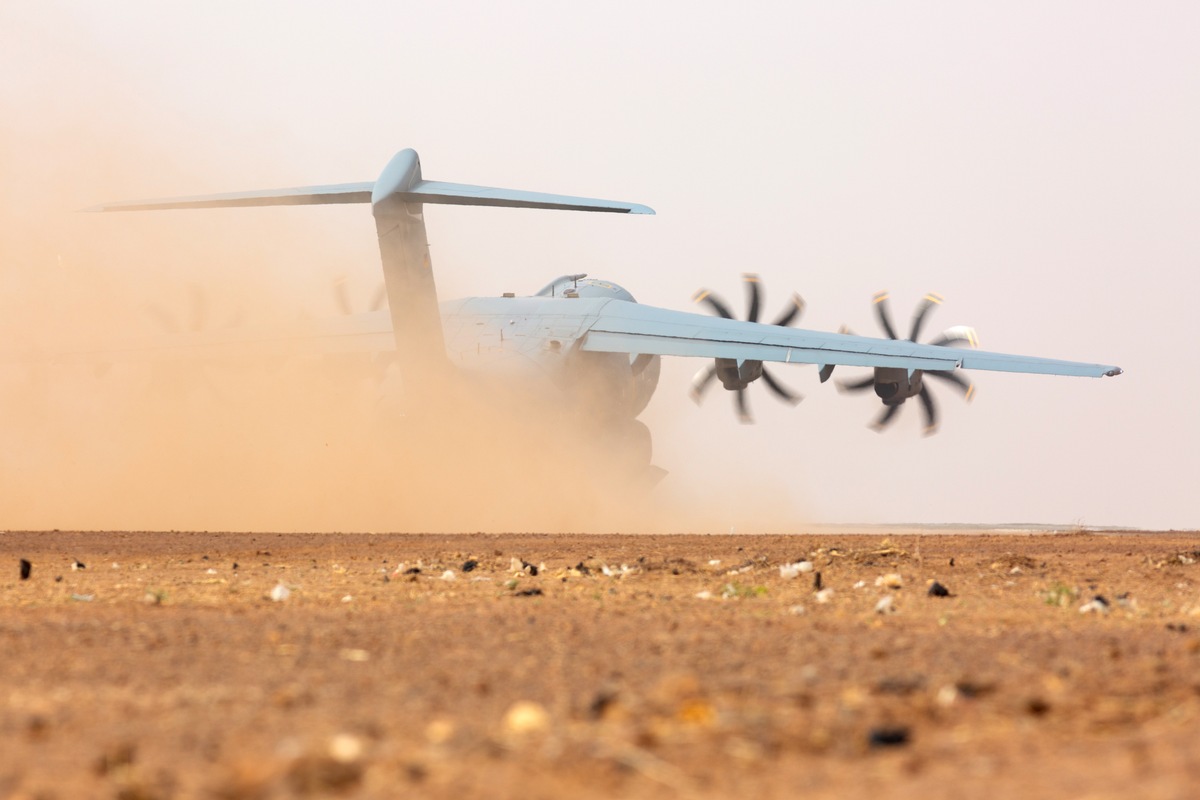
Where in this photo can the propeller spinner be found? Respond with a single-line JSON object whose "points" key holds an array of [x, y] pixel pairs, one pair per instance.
{"points": [[736, 375]]}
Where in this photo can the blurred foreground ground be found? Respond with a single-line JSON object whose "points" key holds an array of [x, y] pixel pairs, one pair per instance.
{"points": [[163, 668]]}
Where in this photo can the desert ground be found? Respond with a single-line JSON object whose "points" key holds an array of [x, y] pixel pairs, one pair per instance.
{"points": [[223, 665]]}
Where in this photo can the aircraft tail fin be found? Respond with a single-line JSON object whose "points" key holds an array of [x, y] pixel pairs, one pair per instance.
{"points": [[397, 199]]}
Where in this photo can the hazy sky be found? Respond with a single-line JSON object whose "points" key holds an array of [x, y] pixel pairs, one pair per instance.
{"points": [[1036, 163]]}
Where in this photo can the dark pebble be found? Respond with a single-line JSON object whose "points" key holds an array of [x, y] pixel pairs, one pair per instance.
{"points": [[469, 565], [532, 592], [889, 737], [26, 568], [1037, 707], [601, 703], [816, 581], [937, 590]]}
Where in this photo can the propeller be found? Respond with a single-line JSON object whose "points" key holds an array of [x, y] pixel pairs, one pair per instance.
{"points": [[737, 375], [195, 318], [351, 369], [905, 385], [341, 296]]}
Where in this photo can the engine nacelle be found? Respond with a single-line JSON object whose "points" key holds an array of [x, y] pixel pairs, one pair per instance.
{"points": [[735, 374], [894, 385]]}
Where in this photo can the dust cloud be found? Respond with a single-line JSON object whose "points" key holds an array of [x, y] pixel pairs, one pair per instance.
{"points": [[149, 437], [105, 424], [108, 424]]}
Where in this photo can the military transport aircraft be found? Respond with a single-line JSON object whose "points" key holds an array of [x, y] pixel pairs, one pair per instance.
{"points": [[580, 331]]}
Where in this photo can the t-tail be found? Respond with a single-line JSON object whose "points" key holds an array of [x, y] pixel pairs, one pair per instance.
{"points": [[397, 201]]}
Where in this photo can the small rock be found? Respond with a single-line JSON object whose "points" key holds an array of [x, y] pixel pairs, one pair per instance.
{"points": [[280, 593], [1097, 605], [1037, 707], [521, 565], [448, 575], [348, 598], [823, 596], [797, 611], [26, 569], [704, 595], [345, 748], [896, 736], [83, 598], [469, 565], [210, 571], [604, 702], [77, 564], [892, 580], [886, 605], [859, 585], [533, 591], [937, 590], [790, 571], [816, 581], [526, 717]]}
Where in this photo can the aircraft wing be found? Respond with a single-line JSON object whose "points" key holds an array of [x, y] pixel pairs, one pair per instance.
{"points": [[611, 326], [622, 327]]}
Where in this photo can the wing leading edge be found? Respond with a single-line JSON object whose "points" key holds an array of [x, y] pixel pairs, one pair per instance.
{"points": [[624, 327]]}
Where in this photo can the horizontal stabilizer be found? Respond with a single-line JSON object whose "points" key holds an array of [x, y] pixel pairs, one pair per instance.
{"points": [[459, 194], [296, 196]]}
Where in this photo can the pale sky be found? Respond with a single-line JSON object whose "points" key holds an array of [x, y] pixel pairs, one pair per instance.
{"points": [[1035, 163]]}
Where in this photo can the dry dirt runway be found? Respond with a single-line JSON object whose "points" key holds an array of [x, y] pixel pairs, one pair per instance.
{"points": [[628, 666]]}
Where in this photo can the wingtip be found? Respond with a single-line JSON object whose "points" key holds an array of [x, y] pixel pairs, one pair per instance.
{"points": [[1114, 372]]}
